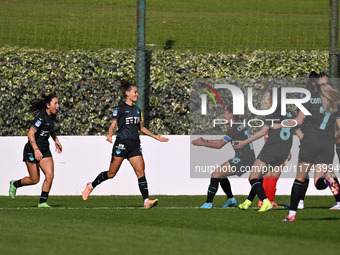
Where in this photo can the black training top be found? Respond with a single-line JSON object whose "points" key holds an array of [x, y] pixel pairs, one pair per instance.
{"points": [[44, 124], [239, 132], [319, 123], [281, 139], [128, 119]]}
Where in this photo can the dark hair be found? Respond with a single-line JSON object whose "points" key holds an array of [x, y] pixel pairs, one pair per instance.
{"points": [[313, 77], [126, 86], [230, 109], [37, 105], [322, 74]]}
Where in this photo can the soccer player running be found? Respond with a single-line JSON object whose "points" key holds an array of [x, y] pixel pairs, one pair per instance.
{"points": [[127, 145], [273, 154], [238, 165], [317, 145], [37, 154]]}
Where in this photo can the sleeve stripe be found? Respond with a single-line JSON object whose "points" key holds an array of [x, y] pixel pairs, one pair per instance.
{"points": [[227, 138], [35, 127]]}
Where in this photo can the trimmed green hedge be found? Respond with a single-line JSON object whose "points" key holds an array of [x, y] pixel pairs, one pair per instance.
{"points": [[87, 83]]}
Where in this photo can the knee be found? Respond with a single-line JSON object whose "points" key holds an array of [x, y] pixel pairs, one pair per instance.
{"points": [[110, 175], [35, 179], [49, 177]]}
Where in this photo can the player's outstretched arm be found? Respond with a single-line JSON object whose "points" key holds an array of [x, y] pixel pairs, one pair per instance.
{"points": [[111, 131], [216, 144], [257, 135], [158, 137]]}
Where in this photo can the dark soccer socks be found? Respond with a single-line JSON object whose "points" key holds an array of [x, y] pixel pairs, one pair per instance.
{"points": [[256, 185], [297, 190], [225, 184], [17, 184], [100, 178], [252, 193], [43, 197], [213, 187], [143, 187]]}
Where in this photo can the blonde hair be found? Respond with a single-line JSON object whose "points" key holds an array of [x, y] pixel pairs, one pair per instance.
{"points": [[330, 98]]}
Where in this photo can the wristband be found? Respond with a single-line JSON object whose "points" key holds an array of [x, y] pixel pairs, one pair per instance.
{"points": [[36, 149]]}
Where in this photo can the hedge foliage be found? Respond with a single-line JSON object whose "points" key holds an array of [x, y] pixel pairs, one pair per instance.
{"points": [[87, 83]]}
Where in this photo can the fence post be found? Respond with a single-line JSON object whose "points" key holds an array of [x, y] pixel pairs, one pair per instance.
{"points": [[333, 39], [140, 55]]}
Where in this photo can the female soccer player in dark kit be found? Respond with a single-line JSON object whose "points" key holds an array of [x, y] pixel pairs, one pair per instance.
{"points": [[127, 144], [317, 145], [238, 165], [37, 154]]}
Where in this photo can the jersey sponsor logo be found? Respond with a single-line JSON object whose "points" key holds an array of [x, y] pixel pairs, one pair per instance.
{"points": [[38, 123], [45, 133], [132, 120], [115, 112], [127, 111]]}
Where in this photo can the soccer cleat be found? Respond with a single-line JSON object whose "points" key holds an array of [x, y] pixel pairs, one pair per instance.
{"points": [[336, 206], [207, 206], [275, 204], [289, 218], [150, 203], [300, 205], [333, 185], [12, 189], [230, 203], [43, 205], [245, 205], [87, 191], [267, 206]]}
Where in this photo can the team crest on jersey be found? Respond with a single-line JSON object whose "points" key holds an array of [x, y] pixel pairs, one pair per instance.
{"points": [[138, 111], [38, 123]]}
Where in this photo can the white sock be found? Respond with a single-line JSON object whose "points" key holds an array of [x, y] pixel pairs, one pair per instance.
{"points": [[292, 213], [146, 200], [301, 202]]}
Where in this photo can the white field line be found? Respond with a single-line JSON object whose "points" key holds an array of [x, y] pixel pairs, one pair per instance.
{"points": [[113, 208]]}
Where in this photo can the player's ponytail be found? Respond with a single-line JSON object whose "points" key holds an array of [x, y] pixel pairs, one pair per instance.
{"points": [[126, 86], [312, 80], [330, 97], [39, 104]]}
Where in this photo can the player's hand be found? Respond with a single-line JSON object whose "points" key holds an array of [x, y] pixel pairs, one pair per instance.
{"points": [[58, 147], [38, 155], [109, 138], [239, 144], [198, 142], [161, 138]]}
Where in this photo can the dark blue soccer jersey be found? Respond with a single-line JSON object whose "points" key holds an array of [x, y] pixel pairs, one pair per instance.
{"points": [[44, 125], [319, 123], [239, 132], [128, 119]]}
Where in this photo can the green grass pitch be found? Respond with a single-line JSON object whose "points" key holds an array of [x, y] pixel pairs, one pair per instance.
{"points": [[195, 25], [119, 225]]}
